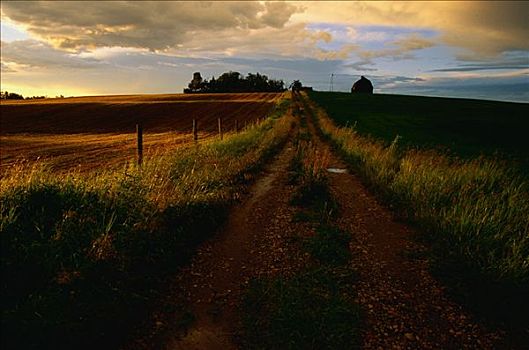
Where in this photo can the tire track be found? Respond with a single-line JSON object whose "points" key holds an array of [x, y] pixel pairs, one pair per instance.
{"points": [[405, 307]]}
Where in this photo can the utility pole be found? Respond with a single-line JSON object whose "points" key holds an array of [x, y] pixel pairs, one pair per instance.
{"points": [[332, 82]]}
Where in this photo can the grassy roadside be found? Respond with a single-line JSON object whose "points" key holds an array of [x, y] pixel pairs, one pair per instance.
{"points": [[83, 255], [475, 212], [314, 308]]}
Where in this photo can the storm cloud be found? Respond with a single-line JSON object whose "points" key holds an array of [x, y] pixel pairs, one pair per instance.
{"points": [[151, 25]]}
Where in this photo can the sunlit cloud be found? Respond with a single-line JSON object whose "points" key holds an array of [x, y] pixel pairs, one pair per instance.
{"points": [[484, 28]]}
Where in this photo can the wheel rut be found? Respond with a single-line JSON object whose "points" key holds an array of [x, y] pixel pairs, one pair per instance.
{"points": [[224, 265], [252, 243], [405, 307]]}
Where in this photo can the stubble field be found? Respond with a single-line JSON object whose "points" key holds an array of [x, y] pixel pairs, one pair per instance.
{"points": [[88, 133]]}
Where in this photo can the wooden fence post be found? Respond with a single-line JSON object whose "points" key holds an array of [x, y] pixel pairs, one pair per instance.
{"points": [[220, 128], [139, 133], [195, 130]]}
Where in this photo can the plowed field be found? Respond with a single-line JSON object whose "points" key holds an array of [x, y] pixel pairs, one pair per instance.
{"points": [[99, 131]]}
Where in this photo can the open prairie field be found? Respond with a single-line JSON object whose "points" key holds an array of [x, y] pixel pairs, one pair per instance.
{"points": [[463, 127], [99, 131]]}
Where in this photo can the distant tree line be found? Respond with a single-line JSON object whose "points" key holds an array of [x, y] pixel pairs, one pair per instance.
{"points": [[5, 95], [234, 82]]}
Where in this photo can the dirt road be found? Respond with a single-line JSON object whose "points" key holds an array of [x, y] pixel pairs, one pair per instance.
{"points": [[404, 306], [252, 243]]}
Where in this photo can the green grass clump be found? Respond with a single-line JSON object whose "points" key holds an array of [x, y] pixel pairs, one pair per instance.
{"points": [[308, 167], [308, 311], [476, 213], [308, 170], [83, 255], [329, 245]]}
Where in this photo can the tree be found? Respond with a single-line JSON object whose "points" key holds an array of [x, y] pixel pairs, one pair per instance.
{"points": [[296, 85], [235, 82], [11, 96], [276, 85], [197, 84]]}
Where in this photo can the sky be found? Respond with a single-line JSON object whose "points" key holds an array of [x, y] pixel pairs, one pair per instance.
{"points": [[458, 49]]}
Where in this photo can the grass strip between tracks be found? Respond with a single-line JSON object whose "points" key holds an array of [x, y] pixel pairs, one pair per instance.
{"points": [[314, 308]]}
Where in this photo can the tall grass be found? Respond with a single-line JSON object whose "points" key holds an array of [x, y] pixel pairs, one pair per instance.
{"points": [[309, 164], [475, 211], [83, 254], [308, 170]]}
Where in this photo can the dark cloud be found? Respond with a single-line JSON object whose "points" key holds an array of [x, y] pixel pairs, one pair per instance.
{"points": [[401, 79], [489, 27], [471, 68], [152, 25], [362, 66], [507, 63], [515, 92], [503, 87]]}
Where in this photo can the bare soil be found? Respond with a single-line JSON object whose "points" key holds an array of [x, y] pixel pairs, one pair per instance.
{"points": [[100, 131], [120, 114]]}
